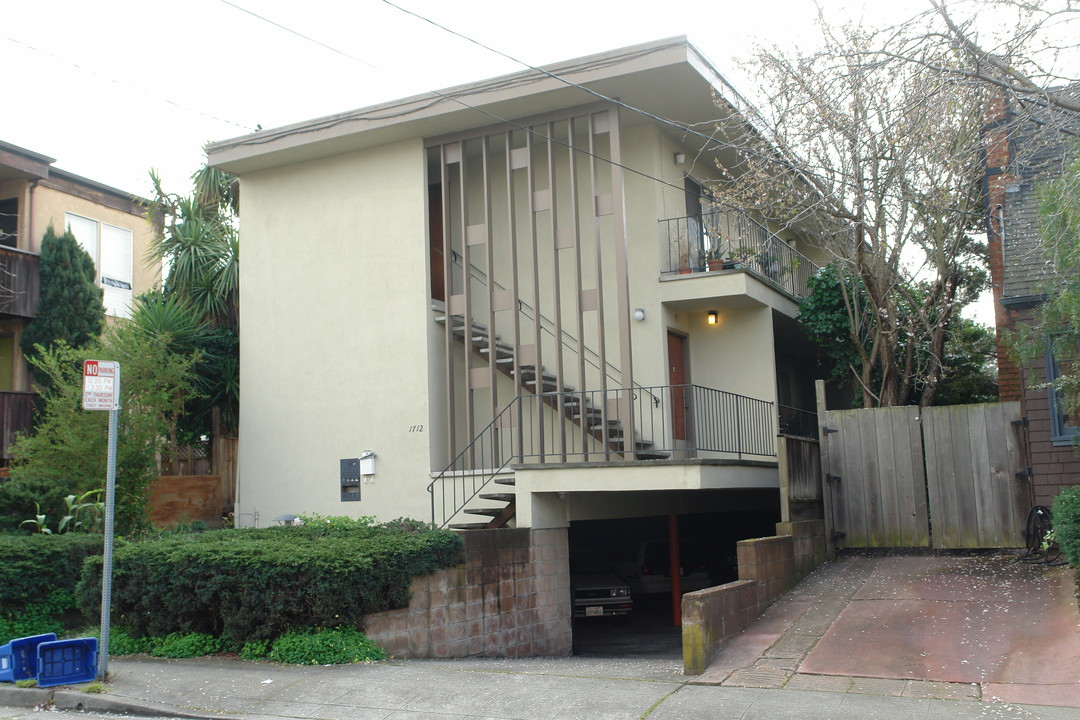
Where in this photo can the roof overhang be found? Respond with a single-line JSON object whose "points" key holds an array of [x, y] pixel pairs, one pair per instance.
{"points": [[20, 163], [668, 79]]}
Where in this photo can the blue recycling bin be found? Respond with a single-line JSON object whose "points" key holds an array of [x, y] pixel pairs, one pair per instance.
{"points": [[18, 659], [62, 662]]}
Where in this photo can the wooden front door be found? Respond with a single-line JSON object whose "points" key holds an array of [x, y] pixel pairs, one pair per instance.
{"points": [[677, 346]]}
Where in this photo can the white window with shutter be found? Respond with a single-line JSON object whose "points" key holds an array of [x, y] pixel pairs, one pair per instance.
{"points": [[110, 248], [115, 268], [85, 231]]}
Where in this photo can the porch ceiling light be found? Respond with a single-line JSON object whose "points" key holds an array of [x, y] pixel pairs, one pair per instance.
{"points": [[714, 317], [680, 158]]}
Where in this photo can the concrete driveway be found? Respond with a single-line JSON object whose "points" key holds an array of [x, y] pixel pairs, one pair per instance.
{"points": [[976, 627]]}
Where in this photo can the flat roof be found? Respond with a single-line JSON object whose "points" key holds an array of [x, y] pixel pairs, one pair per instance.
{"points": [[667, 79]]}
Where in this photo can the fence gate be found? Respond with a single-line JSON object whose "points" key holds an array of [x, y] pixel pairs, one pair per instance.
{"points": [[916, 477]]}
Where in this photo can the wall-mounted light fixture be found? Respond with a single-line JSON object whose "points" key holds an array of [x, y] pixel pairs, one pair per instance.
{"points": [[714, 317], [680, 158], [639, 314]]}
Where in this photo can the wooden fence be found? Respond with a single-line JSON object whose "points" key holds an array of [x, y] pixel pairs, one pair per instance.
{"points": [[197, 482], [801, 496], [942, 477], [16, 416]]}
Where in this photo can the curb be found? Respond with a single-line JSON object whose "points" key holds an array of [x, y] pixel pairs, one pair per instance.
{"points": [[78, 701]]}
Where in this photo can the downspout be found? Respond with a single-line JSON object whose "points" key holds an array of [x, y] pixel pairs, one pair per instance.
{"points": [[30, 216], [1000, 210]]}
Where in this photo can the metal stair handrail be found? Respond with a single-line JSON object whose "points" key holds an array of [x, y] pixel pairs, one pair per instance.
{"points": [[714, 424], [567, 340], [485, 441]]}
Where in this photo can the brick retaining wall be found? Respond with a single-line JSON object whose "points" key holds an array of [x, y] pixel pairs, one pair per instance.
{"points": [[768, 567], [511, 598]]}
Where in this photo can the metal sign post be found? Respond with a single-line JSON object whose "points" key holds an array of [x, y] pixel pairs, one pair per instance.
{"points": [[101, 391]]}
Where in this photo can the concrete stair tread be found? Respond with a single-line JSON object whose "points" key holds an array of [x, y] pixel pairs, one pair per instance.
{"points": [[489, 511], [468, 526]]}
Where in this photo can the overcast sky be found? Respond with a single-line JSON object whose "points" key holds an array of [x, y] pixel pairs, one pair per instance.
{"points": [[115, 87]]}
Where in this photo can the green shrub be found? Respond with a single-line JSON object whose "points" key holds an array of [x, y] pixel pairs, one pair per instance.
{"points": [[255, 650], [38, 618], [185, 645], [244, 585], [122, 643], [338, 522], [325, 647], [34, 566], [1067, 524], [38, 576]]}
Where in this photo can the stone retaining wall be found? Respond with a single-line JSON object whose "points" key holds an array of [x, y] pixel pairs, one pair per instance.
{"points": [[768, 567], [511, 598]]}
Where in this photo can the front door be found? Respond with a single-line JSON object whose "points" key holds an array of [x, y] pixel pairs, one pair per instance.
{"points": [[677, 347]]}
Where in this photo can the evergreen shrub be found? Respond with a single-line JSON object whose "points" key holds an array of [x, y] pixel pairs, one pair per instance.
{"points": [[256, 584], [1066, 513], [35, 566]]}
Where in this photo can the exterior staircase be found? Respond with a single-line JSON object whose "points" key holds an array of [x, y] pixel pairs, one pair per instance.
{"points": [[575, 407]]}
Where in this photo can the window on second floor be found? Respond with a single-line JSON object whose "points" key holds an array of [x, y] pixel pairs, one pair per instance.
{"points": [[1064, 357], [110, 248]]}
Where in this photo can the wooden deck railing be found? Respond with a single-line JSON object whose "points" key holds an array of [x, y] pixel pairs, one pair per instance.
{"points": [[16, 415]]}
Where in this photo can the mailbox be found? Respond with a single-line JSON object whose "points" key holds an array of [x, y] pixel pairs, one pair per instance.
{"points": [[350, 479]]}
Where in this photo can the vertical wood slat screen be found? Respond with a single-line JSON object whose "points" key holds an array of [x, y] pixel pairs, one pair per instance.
{"points": [[513, 262]]}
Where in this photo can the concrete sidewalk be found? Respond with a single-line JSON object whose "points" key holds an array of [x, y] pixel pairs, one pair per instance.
{"points": [[542, 689]]}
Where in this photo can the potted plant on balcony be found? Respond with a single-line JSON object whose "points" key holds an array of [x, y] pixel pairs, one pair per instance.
{"points": [[714, 259]]}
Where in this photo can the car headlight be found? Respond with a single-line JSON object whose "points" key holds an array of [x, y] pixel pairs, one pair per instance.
{"points": [[620, 592]]}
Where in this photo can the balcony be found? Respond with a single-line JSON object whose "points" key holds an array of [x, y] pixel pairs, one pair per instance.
{"points": [[622, 425], [19, 283], [16, 416], [726, 240]]}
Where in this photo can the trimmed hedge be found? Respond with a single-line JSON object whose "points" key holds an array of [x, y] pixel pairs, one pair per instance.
{"points": [[1066, 513], [255, 584], [35, 566]]}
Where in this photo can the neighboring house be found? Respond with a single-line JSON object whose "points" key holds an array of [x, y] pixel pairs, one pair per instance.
{"points": [[1023, 149], [110, 224], [414, 272]]}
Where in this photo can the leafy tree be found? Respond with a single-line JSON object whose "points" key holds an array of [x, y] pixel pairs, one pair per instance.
{"points": [[878, 162], [836, 314], [67, 454], [1058, 318], [970, 366], [1025, 59], [70, 308], [199, 303]]}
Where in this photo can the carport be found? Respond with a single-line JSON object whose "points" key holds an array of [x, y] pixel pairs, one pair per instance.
{"points": [[699, 539]]}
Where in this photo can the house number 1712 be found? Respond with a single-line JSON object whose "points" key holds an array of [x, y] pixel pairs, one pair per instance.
{"points": [[416, 428]]}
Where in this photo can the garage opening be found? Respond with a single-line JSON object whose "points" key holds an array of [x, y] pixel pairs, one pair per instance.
{"points": [[622, 582]]}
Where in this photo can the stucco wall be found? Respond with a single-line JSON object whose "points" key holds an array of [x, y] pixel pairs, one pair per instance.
{"points": [[335, 331], [49, 206]]}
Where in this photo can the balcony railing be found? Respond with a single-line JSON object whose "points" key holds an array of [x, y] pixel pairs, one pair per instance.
{"points": [[730, 240], [19, 283], [670, 422], [16, 416], [799, 423]]}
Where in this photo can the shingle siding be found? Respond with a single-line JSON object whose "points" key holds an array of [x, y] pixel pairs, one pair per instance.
{"points": [[1020, 156]]}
